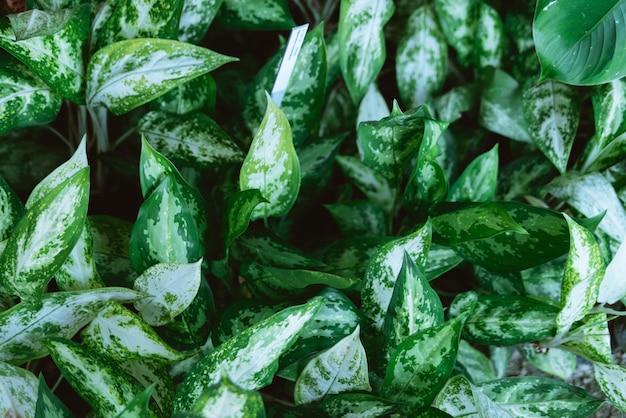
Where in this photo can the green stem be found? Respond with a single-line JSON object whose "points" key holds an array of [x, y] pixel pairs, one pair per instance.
{"points": [[101, 132]]}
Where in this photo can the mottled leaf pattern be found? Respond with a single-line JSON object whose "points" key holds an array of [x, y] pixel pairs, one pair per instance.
{"points": [[226, 399], [490, 38], [48, 405], [18, 391], [195, 19], [611, 379], [478, 181], [375, 185], [458, 21], [261, 15]]}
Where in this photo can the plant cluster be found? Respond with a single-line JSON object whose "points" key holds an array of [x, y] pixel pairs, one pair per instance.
{"points": [[208, 248]]}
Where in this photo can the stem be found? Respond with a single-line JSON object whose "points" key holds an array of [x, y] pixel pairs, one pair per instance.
{"points": [[101, 132]]}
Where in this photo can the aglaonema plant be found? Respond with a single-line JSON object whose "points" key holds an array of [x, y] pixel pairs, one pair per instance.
{"points": [[439, 187]]}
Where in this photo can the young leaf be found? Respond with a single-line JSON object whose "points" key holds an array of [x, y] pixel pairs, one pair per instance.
{"points": [[79, 271], [611, 379], [48, 404], [127, 74], [341, 368], [250, 358], [571, 41], [272, 165], [478, 181], [373, 106], [458, 21], [359, 218], [237, 213], [490, 38], [362, 43], [226, 399], [195, 19], [264, 15], [421, 58]]}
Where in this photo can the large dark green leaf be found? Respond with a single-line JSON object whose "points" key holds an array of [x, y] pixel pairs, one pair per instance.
{"points": [[260, 15]]}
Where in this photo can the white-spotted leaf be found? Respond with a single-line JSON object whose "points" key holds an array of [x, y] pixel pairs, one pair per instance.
{"points": [[611, 378], [48, 404], [18, 391], [593, 339], [260, 15], [195, 19], [459, 19], [374, 184], [226, 399], [79, 271], [490, 38], [149, 372], [478, 181], [373, 107], [138, 407]]}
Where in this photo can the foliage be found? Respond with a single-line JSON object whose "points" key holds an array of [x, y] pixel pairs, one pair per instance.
{"points": [[441, 180]]}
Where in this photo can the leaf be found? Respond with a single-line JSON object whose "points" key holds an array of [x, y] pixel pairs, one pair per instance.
{"points": [[138, 407], [339, 113], [44, 237], [524, 176], [591, 339], [238, 211], [349, 258], [195, 19], [361, 42], [48, 405], [457, 398], [265, 15], [317, 156], [62, 314], [11, 209], [25, 99], [421, 58], [478, 181], [79, 271], [123, 335], [341, 368], [98, 380], [56, 58], [613, 153], [193, 140], [373, 106], [584, 272], [454, 102], [127, 74], [552, 110], [37, 22], [226, 399], [458, 21], [556, 362], [359, 218], [196, 94], [441, 259], [422, 364], [272, 165], [358, 405], [578, 44], [111, 250], [383, 268], [613, 288], [250, 358], [609, 106], [18, 391], [150, 373], [490, 38], [611, 378], [474, 364]]}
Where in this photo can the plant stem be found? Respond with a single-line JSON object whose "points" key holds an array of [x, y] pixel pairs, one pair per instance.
{"points": [[101, 132]]}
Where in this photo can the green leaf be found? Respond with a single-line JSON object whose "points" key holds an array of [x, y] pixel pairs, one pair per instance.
{"points": [[359, 218], [349, 258], [383, 268], [25, 99], [150, 373], [524, 176], [609, 107], [373, 106], [79, 271], [552, 110], [138, 407], [362, 49], [272, 165], [127, 74], [111, 249], [317, 156], [56, 58], [601, 159], [478, 181], [195, 19], [474, 364], [613, 287], [454, 102], [98, 380], [458, 21], [62, 314], [48, 405], [37, 22], [490, 38], [421, 58], [193, 140], [238, 211], [262, 15], [18, 391], [358, 405], [341, 368], [250, 358], [44, 237], [441, 259], [591, 339], [422, 364], [226, 399], [457, 398], [11, 209], [579, 43], [611, 379], [556, 361], [196, 94], [339, 115]]}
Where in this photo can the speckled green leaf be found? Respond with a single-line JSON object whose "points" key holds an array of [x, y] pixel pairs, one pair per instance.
{"points": [[260, 15], [272, 165], [362, 50], [79, 271], [48, 404], [609, 108], [111, 250], [56, 58], [226, 399], [524, 176], [359, 218], [508, 283], [422, 364], [138, 407], [383, 268], [37, 22], [62, 314], [611, 379], [591, 339], [153, 168], [57, 4], [556, 361], [339, 115], [478, 181], [373, 106], [421, 58], [540, 396], [457, 398], [98, 380], [357, 405], [171, 287], [250, 358], [579, 43], [601, 159], [501, 108], [195, 19], [341, 368], [148, 372], [196, 94], [127, 74], [414, 306], [613, 288], [11, 209], [454, 102], [584, 272], [507, 320], [490, 38], [18, 392], [459, 20], [317, 156], [44, 237], [552, 110], [25, 100], [349, 257], [441, 259], [192, 140], [237, 212], [474, 364]]}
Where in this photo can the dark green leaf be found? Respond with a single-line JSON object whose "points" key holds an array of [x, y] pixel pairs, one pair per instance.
{"points": [[478, 181], [48, 404], [262, 15], [359, 218]]}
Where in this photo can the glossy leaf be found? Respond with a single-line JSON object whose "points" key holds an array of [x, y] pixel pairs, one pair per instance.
{"points": [[478, 181], [138, 407], [490, 38], [441, 259], [613, 287], [237, 213], [195, 19], [349, 258], [48, 404], [11, 209], [601, 159], [375, 185], [355, 405], [578, 43], [240, 315], [552, 110], [421, 58], [341, 368], [611, 378], [272, 165], [127, 74], [458, 21], [18, 391], [362, 49], [225, 399], [373, 106], [359, 218], [266, 15], [474, 364], [524, 176], [79, 271], [609, 107], [196, 94]]}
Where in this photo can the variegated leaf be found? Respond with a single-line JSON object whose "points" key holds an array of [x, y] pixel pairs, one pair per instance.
{"points": [[317, 156], [383, 268], [272, 165], [138, 407], [37, 22], [524, 176], [591, 339], [341, 368], [261, 15], [25, 99], [609, 106], [458, 21], [149, 373], [79, 271], [359, 218], [11, 209], [196, 94], [490, 38], [373, 107], [583, 274], [195, 19], [557, 362], [441, 259], [613, 153], [18, 392], [458, 99], [421, 58], [339, 115], [127, 74], [123, 335], [474, 363], [358, 405], [171, 289], [192, 140], [250, 358], [56, 4], [48, 404], [111, 250], [56, 58], [237, 213], [349, 258], [456, 398], [478, 181], [611, 378], [226, 399], [44, 237], [613, 287], [552, 110], [62, 314], [362, 50], [97, 379]]}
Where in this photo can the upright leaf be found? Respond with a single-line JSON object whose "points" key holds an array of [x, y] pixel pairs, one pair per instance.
{"points": [[458, 21], [111, 250], [374, 184], [238, 210], [11, 209], [266, 15], [478, 181], [359, 218], [48, 405], [79, 271], [611, 379], [18, 391], [138, 407], [226, 399], [373, 106], [490, 39], [613, 288], [195, 19]]}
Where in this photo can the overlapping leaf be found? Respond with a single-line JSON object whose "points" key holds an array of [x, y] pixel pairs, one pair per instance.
{"points": [[265, 15], [458, 21], [195, 19], [18, 393], [478, 181], [226, 399]]}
